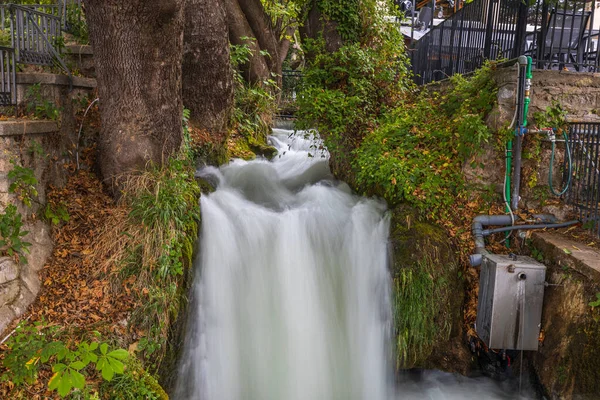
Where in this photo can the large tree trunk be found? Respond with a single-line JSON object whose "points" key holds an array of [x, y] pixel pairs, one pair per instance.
{"points": [[256, 70], [262, 29], [247, 18], [138, 47], [207, 74]]}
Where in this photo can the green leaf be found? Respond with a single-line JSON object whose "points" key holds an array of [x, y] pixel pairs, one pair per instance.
{"points": [[62, 353], [50, 350], [119, 354], [103, 348], [65, 385], [54, 381], [116, 365], [77, 365], [77, 379], [93, 346], [107, 372], [101, 364], [58, 367]]}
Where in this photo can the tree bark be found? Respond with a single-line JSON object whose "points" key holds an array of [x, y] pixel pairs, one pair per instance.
{"points": [[316, 23], [256, 70], [138, 47], [261, 27], [207, 74]]}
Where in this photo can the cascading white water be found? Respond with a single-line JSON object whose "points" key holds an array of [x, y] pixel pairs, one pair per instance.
{"points": [[291, 294], [293, 285]]}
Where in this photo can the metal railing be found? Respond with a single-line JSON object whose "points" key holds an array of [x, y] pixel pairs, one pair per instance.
{"points": [[30, 36], [483, 29], [64, 12], [52, 9], [290, 85], [556, 34], [584, 191], [562, 34], [36, 34], [8, 77]]}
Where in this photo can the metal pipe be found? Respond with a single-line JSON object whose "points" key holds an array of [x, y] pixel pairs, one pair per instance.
{"points": [[497, 220], [518, 143], [487, 232]]}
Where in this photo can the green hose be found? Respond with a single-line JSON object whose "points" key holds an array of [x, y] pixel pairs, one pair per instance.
{"points": [[527, 101], [570, 168]]}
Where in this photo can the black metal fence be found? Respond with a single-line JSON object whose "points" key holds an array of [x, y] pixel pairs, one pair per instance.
{"points": [[290, 85], [30, 34], [483, 29], [8, 78], [584, 192], [557, 34], [36, 34]]}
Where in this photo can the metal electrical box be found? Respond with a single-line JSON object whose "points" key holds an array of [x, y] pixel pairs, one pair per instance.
{"points": [[511, 296]]}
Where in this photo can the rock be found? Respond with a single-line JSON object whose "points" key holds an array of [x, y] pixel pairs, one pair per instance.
{"points": [[23, 300], [41, 245], [9, 270], [9, 292], [427, 295], [6, 317], [30, 279], [263, 150]]}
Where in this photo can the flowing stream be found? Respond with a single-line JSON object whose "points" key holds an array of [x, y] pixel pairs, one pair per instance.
{"points": [[291, 293]]}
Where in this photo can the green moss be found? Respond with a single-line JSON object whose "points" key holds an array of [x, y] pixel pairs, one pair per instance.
{"points": [[239, 148], [584, 353], [426, 306]]}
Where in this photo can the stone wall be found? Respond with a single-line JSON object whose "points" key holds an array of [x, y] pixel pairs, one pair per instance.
{"points": [[48, 148], [80, 60], [577, 93], [568, 360]]}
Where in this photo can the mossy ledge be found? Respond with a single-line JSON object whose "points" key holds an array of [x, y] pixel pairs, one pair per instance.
{"points": [[428, 295]]}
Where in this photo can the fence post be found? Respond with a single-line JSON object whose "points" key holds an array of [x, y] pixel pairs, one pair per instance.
{"points": [[487, 44], [541, 37], [521, 32]]}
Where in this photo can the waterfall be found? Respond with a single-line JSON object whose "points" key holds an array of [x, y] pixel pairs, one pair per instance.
{"points": [[291, 290], [291, 296]]}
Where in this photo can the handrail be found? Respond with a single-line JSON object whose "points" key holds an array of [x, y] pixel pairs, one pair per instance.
{"points": [[53, 51], [32, 33], [8, 78], [32, 40]]}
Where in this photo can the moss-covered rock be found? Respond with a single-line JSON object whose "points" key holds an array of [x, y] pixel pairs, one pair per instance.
{"points": [[261, 149], [427, 295]]}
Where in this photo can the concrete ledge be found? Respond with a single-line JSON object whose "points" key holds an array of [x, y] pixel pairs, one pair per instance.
{"points": [[568, 253], [79, 49], [25, 127], [55, 79]]}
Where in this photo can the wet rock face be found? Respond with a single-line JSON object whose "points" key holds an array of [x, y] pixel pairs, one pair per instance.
{"points": [[428, 295], [568, 360]]}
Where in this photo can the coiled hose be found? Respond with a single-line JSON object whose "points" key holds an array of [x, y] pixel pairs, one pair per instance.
{"points": [[570, 167]]}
